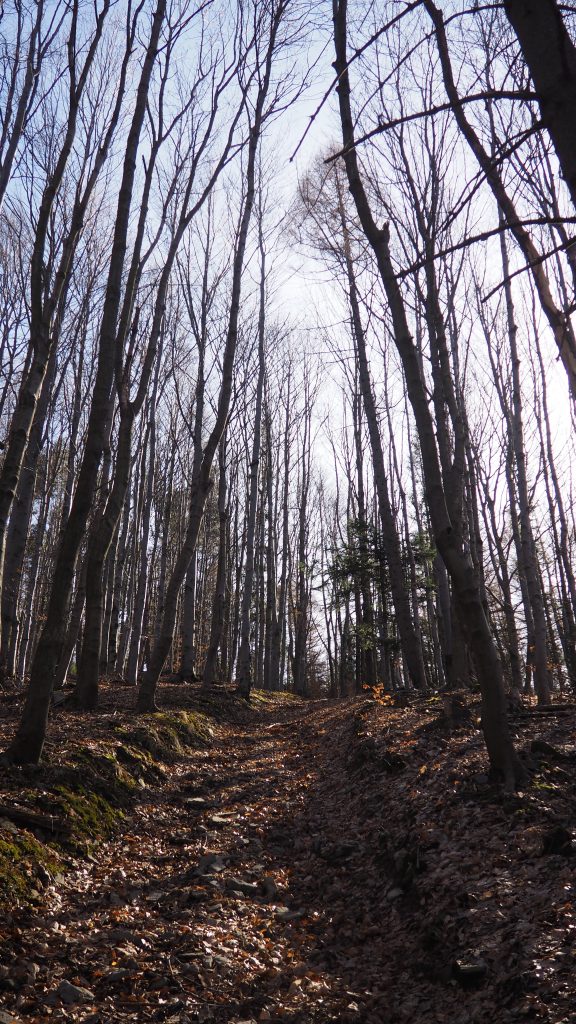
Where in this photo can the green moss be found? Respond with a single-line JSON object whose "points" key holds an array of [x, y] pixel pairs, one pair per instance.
{"points": [[268, 697], [544, 785], [90, 814], [107, 775], [91, 793], [139, 763], [166, 736], [21, 856], [224, 705]]}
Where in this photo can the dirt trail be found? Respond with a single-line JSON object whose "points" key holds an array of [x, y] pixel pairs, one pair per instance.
{"points": [[323, 863], [206, 909]]}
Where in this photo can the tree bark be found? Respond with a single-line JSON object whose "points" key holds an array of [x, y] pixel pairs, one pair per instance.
{"points": [[26, 747], [499, 743], [244, 664], [201, 488], [550, 55], [218, 605], [411, 646]]}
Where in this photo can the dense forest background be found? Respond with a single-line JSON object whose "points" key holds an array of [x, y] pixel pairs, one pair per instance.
{"points": [[287, 350]]}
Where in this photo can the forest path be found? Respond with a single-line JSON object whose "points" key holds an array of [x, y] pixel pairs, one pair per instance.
{"points": [[214, 906], [324, 863]]}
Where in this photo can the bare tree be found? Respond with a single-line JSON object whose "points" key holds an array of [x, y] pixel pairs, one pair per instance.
{"points": [[268, 41], [458, 563], [29, 739], [550, 54]]}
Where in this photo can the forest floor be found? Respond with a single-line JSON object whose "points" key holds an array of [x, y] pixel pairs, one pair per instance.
{"points": [[304, 863]]}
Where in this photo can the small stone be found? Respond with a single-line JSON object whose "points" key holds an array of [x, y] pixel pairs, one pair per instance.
{"points": [[71, 994], [197, 803], [289, 915], [131, 964], [209, 862], [219, 820], [118, 975], [539, 746], [469, 973], [268, 888], [205, 1014], [223, 961], [7, 1018], [27, 970], [121, 935], [246, 888], [338, 852], [8, 826], [43, 876], [180, 839], [558, 841]]}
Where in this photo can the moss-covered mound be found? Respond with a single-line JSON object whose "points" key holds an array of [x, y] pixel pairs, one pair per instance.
{"points": [[26, 864], [167, 736], [226, 705], [82, 794]]}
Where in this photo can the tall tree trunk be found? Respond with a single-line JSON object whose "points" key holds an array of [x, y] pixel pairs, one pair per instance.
{"points": [[27, 616], [269, 682], [411, 645], [72, 630], [551, 58], [201, 488], [301, 570], [45, 299], [19, 526], [114, 663], [527, 544], [279, 631], [28, 742], [501, 751], [101, 534], [134, 651], [560, 529], [218, 604], [244, 665], [501, 570]]}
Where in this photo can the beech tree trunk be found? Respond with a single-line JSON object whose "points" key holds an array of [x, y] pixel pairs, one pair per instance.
{"points": [[244, 673], [218, 605], [26, 747], [499, 743], [201, 488], [551, 58]]}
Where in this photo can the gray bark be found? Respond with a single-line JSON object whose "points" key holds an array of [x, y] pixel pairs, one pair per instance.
{"points": [[494, 722], [201, 489], [244, 674], [28, 742]]}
